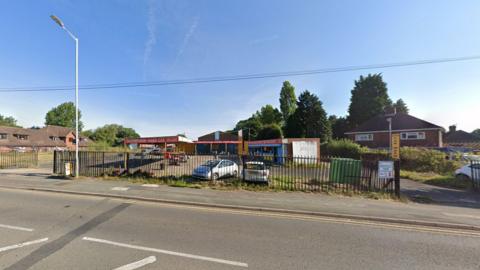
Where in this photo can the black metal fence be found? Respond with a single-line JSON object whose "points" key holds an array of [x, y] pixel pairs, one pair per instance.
{"points": [[475, 167], [282, 173], [18, 159]]}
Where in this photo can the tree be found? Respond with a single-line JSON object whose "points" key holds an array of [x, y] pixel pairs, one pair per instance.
{"points": [[288, 100], [401, 106], [250, 127], [272, 131], [112, 134], [339, 125], [309, 120], [476, 132], [269, 115], [8, 121], [64, 115], [369, 98]]}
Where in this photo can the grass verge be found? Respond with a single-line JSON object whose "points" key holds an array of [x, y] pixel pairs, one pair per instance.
{"points": [[435, 179]]}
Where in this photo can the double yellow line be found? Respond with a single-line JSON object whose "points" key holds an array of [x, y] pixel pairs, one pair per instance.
{"points": [[301, 217]]}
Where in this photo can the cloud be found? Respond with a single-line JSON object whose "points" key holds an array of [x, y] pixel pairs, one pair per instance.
{"points": [[187, 37], [152, 31]]}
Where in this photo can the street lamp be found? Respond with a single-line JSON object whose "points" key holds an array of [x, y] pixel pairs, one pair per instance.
{"points": [[389, 120], [77, 135]]}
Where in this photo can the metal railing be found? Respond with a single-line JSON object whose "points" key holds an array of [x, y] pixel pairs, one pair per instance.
{"points": [[18, 159], [475, 167], [276, 172]]}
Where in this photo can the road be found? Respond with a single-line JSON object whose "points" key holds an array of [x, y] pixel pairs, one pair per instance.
{"points": [[55, 231]]}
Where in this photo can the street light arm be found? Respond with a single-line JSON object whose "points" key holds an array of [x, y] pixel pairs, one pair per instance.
{"points": [[70, 33]]}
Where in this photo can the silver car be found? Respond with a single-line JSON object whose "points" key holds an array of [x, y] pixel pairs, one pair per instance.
{"points": [[256, 171], [215, 169]]}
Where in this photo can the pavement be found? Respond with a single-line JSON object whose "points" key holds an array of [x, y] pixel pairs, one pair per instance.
{"points": [[439, 215], [441, 195], [46, 230]]}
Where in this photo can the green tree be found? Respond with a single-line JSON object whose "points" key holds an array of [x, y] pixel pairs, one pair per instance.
{"points": [[288, 100], [250, 127], [113, 134], [64, 115], [269, 115], [272, 131], [369, 98], [8, 121], [339, 125], [401, 106], [476, 132], [309, 120]]}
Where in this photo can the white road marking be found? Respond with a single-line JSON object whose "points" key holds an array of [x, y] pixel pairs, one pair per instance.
{"points": [[137, 264], [461, 215], [150, 185], [120, 188], [16, 228], [168, 252], [23, 244]]}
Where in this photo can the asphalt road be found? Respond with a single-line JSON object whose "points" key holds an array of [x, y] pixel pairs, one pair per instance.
{"points": [[53, 231]]}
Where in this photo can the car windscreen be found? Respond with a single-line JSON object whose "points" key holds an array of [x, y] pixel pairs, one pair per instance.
{"points": [[211, 163], [254, 166]]}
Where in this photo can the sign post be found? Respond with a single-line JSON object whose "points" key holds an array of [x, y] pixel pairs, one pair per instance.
{"points": [[396, 158]]}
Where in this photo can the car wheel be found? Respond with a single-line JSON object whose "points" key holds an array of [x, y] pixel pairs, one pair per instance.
{"points": [[215, 177], [235, 174], [462, 177]]}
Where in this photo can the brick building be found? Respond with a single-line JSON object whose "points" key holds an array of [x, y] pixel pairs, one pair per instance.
{"points": [[43, 139], [413, 131]]}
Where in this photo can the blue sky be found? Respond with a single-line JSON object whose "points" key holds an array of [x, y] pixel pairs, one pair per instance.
{"points": [[135, 41]]}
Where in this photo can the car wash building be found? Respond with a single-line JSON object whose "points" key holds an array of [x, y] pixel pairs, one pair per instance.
{"points": [[173, 144], [279, 149], [217, 142]]}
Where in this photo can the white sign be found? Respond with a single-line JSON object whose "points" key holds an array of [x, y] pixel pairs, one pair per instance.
{"points": [[304, 149], [385, 170]]}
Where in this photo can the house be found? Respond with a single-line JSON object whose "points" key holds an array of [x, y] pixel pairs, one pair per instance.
{"points": [[461, 139], [217, 142], [43, 139], [413, 131]]}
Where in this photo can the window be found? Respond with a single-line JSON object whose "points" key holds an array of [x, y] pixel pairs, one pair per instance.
{"points": [[3, 136], [412, 136], [364, 137], [53, 138], [21, 137]]}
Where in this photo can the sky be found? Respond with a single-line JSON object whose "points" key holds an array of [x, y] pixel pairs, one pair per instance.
{"points": [[156, 40]]}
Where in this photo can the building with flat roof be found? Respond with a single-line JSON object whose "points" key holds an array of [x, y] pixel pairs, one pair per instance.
{"points": [[279, 149], [217, 142], [176, 143]]}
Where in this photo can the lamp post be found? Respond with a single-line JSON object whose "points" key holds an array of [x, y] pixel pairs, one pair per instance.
{"points": [[77, 135], [389, 120]]}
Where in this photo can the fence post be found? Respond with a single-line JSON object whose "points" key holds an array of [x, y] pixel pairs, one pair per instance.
{"points": [[397, 178], [243, 167], [127, 158]]}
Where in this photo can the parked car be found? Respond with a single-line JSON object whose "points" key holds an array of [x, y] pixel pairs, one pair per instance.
{"points": [[465, 173], [152, 151], [215, 169], [256, 171]]}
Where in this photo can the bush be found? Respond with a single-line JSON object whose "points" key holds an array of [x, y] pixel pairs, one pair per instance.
{"points": [[342, 148], [426, 160]]}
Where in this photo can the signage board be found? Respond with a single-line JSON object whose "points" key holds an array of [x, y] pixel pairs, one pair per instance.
{"points": [[396, 146], [386, 170]]}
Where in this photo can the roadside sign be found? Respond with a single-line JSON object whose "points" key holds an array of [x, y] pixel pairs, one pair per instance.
{"points": [[396, 146], [386, 170]]}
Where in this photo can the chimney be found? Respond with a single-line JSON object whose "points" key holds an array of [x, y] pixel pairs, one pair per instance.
{"points": [[452, 128]]}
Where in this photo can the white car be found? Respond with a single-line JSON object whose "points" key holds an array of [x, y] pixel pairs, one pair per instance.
{"points": [[256, 171], [216, 169], [469, 172]]}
